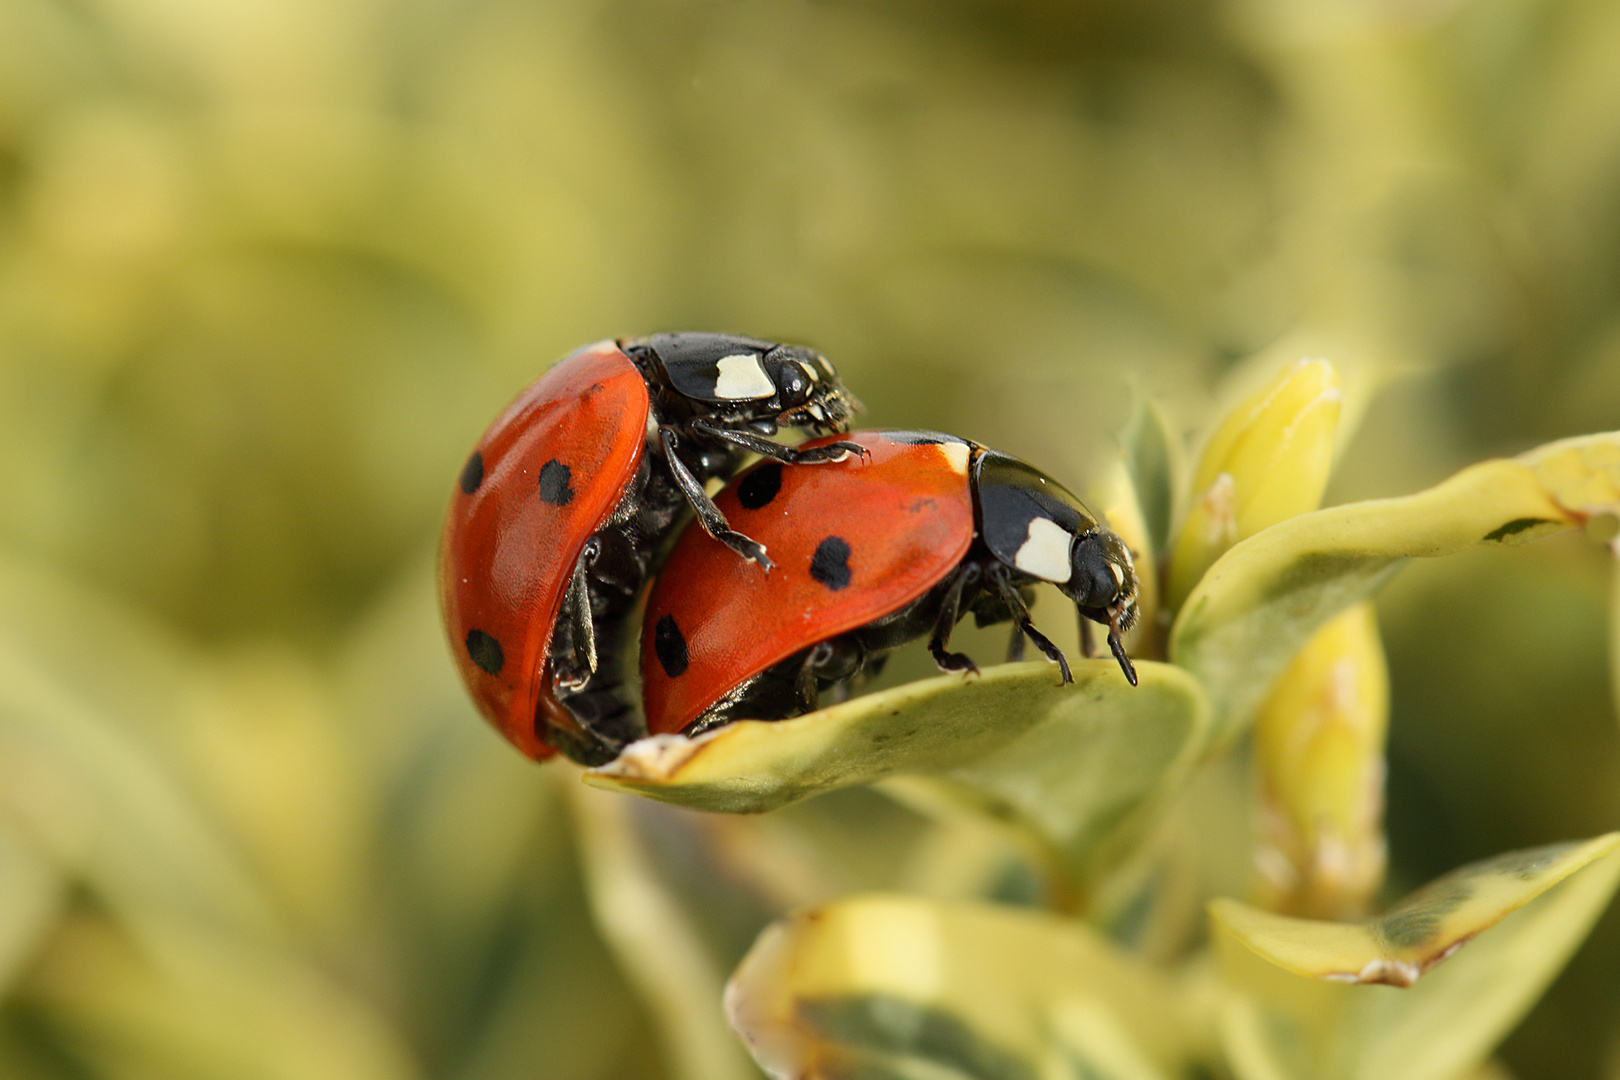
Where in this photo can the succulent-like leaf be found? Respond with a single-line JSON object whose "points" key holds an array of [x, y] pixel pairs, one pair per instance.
{"points": [[1076, 765], [1472, 959], [890, 986], [1260, 602]]}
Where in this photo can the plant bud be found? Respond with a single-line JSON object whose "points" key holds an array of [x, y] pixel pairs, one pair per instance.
{"points": [[1268, 461], [1319, 753]]}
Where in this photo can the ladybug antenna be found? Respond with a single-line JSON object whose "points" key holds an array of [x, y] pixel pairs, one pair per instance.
{"points": [[1118, 649]]}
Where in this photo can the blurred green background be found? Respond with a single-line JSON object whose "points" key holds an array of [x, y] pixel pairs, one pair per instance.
{"points": [[267, 267]]}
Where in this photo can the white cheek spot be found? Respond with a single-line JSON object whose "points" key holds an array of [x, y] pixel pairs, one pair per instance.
{"points": [[810, 370], [742, 379], [1119, 576], [816, 411], [956, 455], [1045, 552]]}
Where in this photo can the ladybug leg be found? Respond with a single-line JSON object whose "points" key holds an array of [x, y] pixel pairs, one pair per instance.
{"points": [[963, 585], [709, 515], [1088, 641], [838, 661], [764, 447], [837, 451], [1024, 625], [805, 686], [1015, 645], [577, 603]]}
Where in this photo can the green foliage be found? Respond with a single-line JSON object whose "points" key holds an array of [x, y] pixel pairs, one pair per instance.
{"points": [[267, 269], [1280, 1024], [1075, 767]]}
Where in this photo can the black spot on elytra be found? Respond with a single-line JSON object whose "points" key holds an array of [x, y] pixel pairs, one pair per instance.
{"points": [[759, 487], [670, 646], [830, 564], [485, 651], [472, 473], [1517, 525], [554, 478]]}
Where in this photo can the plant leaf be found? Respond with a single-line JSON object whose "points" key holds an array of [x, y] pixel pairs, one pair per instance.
{"points": [[1078, 766], [1268, 461], [195, 1002], [660, 949], [192, 961], [1115, 496], [1261, 600], [1614, 635], [1503, 928], [1150, 452], [31, 894], [897, 986]]}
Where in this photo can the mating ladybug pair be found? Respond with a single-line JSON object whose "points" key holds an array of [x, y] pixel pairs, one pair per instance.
{"points": [[807, 571]]}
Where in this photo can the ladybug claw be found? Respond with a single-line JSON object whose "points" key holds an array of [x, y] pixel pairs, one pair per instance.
{"points": [[838, 451], [570, 681], [958, 662], [751, 550]]}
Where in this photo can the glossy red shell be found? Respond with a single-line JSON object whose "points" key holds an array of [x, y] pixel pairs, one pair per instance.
{"points": [[507, 552], [905, 515]]}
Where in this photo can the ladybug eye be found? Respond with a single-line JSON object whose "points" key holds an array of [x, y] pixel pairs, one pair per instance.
{"points": [[793, 386]]}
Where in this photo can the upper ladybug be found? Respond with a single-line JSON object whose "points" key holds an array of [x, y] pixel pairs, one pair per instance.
{"points": [[568, 497], [874, 552]]}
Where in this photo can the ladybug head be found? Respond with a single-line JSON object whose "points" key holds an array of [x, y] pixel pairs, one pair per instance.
{"points": [[1103, 580], [738, 381], [809, 391]]}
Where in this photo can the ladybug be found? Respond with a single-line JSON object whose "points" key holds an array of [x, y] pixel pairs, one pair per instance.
{"points": [[891, 545], [569, 498]]}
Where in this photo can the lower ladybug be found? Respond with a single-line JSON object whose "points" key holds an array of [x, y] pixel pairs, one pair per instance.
{"points": [[571, 494], [873, 553]]}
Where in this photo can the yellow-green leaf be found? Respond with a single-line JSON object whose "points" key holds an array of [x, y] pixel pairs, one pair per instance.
{"points": [[1614, 635], [1460, 961], [894, 986], [1078, 766], [1260, 602], [204, 1004], [1150, 456], [99, 798], [31, 893], [1117, 498], [1319, 755], [656, 943], [191, 969], [1268, 461]]}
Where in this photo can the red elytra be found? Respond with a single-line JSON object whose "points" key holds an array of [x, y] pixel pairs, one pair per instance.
{"points": [[736, 621], [507, 532]]}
